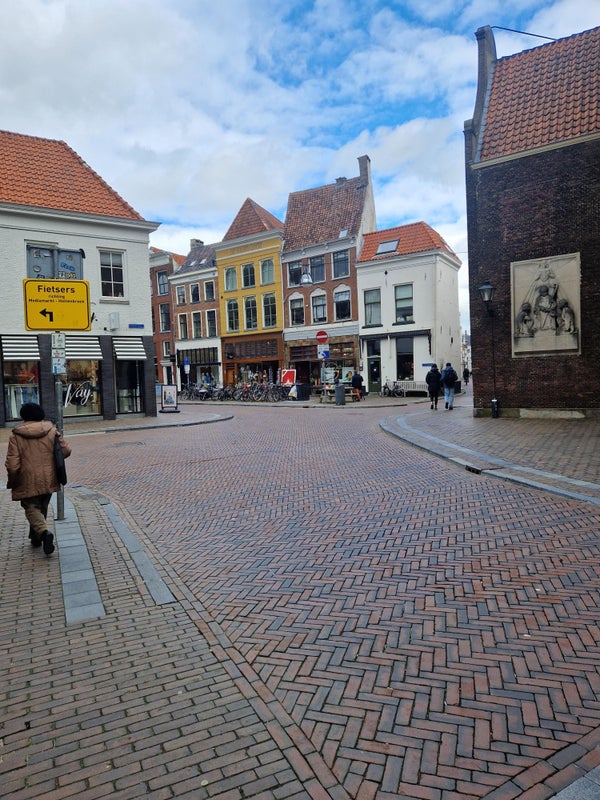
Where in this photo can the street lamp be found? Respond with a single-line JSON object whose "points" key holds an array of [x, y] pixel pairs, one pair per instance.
{"points": [[306, 278], [486, 292]]}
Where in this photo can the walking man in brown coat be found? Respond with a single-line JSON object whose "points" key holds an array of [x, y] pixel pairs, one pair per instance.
{"points": [[32, 471]]}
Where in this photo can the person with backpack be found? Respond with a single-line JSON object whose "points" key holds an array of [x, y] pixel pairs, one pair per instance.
{"points": [[433, 380], [449, 378]]}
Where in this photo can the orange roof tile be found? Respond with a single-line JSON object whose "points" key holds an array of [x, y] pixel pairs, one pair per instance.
{"points": [[418, 237], [543, 96], [325, 213], [47, 173], [251, 218]]}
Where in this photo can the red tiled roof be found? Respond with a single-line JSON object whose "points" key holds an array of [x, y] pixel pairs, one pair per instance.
{"points": [[46, 173], [175, 256], [543, 96], [325, 213], [417, 237], [252, 218]]}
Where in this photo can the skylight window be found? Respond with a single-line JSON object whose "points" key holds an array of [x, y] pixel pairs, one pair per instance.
{"points": [[343, 233], [387, 247]]}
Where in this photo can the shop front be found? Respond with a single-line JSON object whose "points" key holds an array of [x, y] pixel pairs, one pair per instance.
{"points": [[252, 359], [343, 359], [199, 363]]}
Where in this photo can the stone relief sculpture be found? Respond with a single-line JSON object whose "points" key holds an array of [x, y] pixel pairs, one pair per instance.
{"points": [[546, 309]]}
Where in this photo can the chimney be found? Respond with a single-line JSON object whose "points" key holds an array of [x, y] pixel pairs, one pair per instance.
{"points": [[340, 181], [364, 164], [196, 243]]}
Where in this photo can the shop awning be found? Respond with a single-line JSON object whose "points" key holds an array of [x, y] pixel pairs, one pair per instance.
{"points": [[20, 348], [129, 348], [83, 348]]}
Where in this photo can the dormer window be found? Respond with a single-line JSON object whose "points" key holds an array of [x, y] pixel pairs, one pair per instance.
{"points": [[387, 247]]}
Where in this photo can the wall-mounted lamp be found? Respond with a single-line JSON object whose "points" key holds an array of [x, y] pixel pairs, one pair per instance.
{"points": [[486, 292], [306, 278]]}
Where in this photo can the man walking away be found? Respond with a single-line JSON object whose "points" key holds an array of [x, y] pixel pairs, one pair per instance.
{"points": [[449, 378], [32, 470]]}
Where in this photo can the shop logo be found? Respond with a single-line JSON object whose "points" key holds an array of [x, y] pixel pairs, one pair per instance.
{"points": [[78, 394]]}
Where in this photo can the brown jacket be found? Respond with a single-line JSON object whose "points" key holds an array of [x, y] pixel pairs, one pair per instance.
{"points": [[30, 459]]}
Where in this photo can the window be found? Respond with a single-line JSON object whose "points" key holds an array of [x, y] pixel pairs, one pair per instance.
{"points": [[297, 311], [233, 317], [341, 303], [166, 348], [248, 276], [404, 304], [180, 295], [183, 326], [250, 315], [230, 279], [195, 293], [319, 308], [294, 273], [111, 274], [373, 307], [267, 272], [211, 323], [269, 311], [341, 264], [162, 283], [197, 325], [209, 290], [165, 317], [387, 247], [317, 269]]}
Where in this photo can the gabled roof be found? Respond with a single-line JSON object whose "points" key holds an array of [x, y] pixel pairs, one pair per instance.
{"points": [[250, 219], [326, 213], [545, 96], [178, 259], [418, 237], [46, 173], [200, 256]]}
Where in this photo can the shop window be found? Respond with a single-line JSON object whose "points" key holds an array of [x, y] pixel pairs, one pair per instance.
{"points": [[111, 274], [82, 392], [21, 385]]}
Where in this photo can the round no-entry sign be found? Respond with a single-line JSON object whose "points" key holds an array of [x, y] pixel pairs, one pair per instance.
{"points": [[322, 337]]}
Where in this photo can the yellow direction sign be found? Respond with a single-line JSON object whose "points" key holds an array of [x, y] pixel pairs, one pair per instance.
{"points": [[57, 305]]}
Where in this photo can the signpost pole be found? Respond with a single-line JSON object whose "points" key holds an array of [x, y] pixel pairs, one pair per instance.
{"points": [[58, 392]]}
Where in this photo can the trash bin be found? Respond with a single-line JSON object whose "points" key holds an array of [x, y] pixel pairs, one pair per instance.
{"points": [[340, 395], [303, 390]]}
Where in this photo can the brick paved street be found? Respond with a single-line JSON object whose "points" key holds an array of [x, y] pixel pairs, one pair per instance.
{"points": [[353, 618]]}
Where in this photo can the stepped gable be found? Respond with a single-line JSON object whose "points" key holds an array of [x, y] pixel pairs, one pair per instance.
{"points": [[418, 237], [47, 173], [325, 213], [251, 219], [542, 97]]}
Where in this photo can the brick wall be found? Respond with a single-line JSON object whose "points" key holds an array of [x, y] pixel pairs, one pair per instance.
{"points": [[528, 208]]}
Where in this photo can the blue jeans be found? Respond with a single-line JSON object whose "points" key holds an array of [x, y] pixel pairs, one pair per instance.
{"points": [[449, 396]]}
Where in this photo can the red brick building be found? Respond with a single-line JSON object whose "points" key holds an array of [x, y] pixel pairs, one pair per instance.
{"points": [[532, 154]]}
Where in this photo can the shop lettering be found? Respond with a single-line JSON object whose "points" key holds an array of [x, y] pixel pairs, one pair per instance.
{"points": [[78, 393]]}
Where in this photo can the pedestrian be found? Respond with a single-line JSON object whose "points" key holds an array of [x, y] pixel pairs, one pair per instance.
{"points": [[466, 376], [449, 378], [31, 470], [434, 382], [357, 385]]}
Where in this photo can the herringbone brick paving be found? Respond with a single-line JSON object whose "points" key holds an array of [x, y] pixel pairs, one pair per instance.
{"points": [[354, 618]]}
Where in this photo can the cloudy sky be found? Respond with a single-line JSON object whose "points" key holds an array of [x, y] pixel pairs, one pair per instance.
{"points": [[187, 107]]}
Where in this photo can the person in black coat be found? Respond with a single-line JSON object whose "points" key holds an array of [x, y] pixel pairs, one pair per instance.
{"points": [[434, 383]]}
